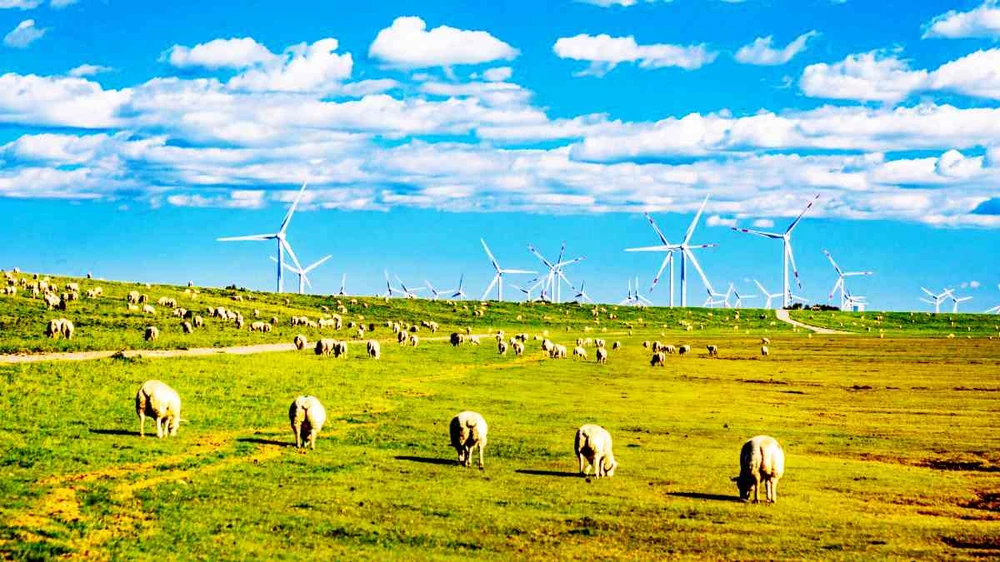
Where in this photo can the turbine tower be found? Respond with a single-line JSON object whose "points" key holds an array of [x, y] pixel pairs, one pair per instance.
{"points": [[845, 295], [498, 277], [555, 277], [279, 236], [936, 299], [786, 238], [685, 248], [956, 301], [303, 272], [343, 286], [460, 291]]}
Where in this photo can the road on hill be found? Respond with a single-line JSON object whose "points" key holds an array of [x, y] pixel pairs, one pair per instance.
{"points": [[783, 315]]}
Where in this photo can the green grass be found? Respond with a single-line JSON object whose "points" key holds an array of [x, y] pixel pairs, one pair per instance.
{"points": [[903, 323], [892, 451]]}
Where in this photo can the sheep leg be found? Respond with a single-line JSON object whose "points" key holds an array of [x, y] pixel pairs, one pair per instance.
{"points": [[756, 486], [312, 439], [142, 423], [481, 465], [774, 491], [583, 466], [159, 427]]}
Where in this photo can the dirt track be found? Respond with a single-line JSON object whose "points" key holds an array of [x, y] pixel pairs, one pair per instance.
{"points": [[785, 317]]}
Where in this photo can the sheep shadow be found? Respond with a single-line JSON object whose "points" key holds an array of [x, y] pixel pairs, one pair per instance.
{"points": [[118, 432], [555, 473], [701, 496], [427, 460], [260, 441]]}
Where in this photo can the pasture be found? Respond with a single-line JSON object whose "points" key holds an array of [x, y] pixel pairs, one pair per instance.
{"points": [[892, 451]]}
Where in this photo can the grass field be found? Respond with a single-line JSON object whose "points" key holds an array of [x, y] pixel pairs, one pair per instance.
{"points": [[892, 445], [903, 323]]}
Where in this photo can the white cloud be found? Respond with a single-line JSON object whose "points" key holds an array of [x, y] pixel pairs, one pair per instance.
{"points": [[716, 220], [57, 4], [88, 70], [59, 102], [498, 74], [870, 76], [304, 68], [19, 4], [981, 22], [763, 223], [975, 284], [234, 53], [760, 51], [622, 3], [23, 35], [604, 53], [408, 44], [974, 74]]}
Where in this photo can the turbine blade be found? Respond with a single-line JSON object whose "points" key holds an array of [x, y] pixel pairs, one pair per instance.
{"points": [[246, 238], [758, 233], [288, 248], [666, 260], [517, 271], [650, 249], [657, 230], [798, 218], [694, 223], [697, 266], [791, 258], [490, 254], [835, 266], [317, 264], [491, 285], [291, 210]]}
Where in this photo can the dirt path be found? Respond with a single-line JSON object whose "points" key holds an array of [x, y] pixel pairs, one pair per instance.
{"points": [[162, 353], [783, 315]]}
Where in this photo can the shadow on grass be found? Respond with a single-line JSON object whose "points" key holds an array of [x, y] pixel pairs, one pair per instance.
{"points": [[556, 473], [260, 441], [427, 460], [118, 432], [700, 496]]}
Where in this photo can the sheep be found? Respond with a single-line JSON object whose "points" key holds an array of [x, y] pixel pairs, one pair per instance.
{"points": [[765, 341], [468, 431], [51, 300], [579, 342], [761, 458], [474, 340], [258, 326], [764, 351], [602, 355], [594, 447], [198, 321], [456, 339], [187, 327], [645, 344], [558, 352], [324, 347], [414, 340], [143, 299], [132, 297], [684, 349], [167, 302], [54, 329], [300, 342], [274, 321], [402, 337], [659, 358], [374, 350], [598, 343], [162, 403], [518, 348], [307, 416], [339, 348], [668, 349], [502, 347], [148, 309], [179, 312], [580, 352], [151, 333], [657, 346], [713, 350], [547, 345], [616, 345]]}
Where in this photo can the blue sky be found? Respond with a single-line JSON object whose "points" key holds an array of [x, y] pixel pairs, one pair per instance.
{"points": [[149, 130]]}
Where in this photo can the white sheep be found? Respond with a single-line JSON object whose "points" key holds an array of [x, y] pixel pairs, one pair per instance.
{"points": [[502, 347], [602, 355], [616, 345], [198, 321], [518, 348], [374, 350], [307, 417], [402, 337], [162, 403], [339, 348], [593, 445], [761, 459], [148, 309], [187, 327], [765, 341], [151, 333], [474, 340], [580, 352], [324, 346], [468, 431], [713, 350], [300, 342], [659, 358], [764, 351], [684, 349], [557, 351], [414, 340]]}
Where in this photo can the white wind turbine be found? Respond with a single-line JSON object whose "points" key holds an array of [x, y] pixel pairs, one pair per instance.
{"points": [[389, 291], [841, 284], [460, 291], [303, 272], [498, 277], [343, 286], [634, 298], [936, 300], [433, 291], [684, 248], [767, 295], [555, 277], [995, 309], [408, 293], [582, 295], [739, 297], [279, 236], [786, 238], [532, 285], [956, 301]]}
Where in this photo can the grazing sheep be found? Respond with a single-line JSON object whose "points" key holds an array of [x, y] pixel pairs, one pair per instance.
{"points": [[764, 351], [52, 300], [414, 340], [54, 329], [198, 321], [300, 342], [765, 341], [148, 309], [133, 297], [468, 431], [547, 345], [518, 348], [374, 350], [659, 358], [324, 347], [645, 343], [151, 333], [162, 403], [187, 327], [580, 352], [761, 459], [502, 347], [474, 340], [274, 321], [456, 339], [579, 342], [307, 417], [179, 312], [402, 337], [713, 350], [602, 355], [558, 352], [668, 349], [616, 345], [599, 343], [339, 348], [593, 446], [684, 349], [258, 326]]}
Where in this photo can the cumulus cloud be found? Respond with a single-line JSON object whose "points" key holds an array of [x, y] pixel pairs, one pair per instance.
{"points": [[408, 44], [604, 53], [760, 51], [23, 35], [498, 74], [235, 53], [19, 4], [982, 22], [763, 223], [88, 70], [303, 68], [716, 220], [57, 4], [974, 75]]}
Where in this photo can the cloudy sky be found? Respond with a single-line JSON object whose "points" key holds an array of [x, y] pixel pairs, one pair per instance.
{"points": [[131, 136]]}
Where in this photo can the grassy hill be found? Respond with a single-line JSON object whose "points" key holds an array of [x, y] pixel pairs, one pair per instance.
{"points": [[903, 323]]}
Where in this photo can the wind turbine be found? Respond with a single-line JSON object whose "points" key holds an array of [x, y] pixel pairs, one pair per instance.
{"points": [[956, 301], [841, 284], [582, 296], [498, 277], [555, 277], [719, 299], [343, 286], [684, 248], [283, 244], [767, 295], [432, 290], [303, 272], [937, 299], [460, 291], [532, 285], [740, 298], [408, 293], [389, 291], [995, 309], [786, 238]]}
